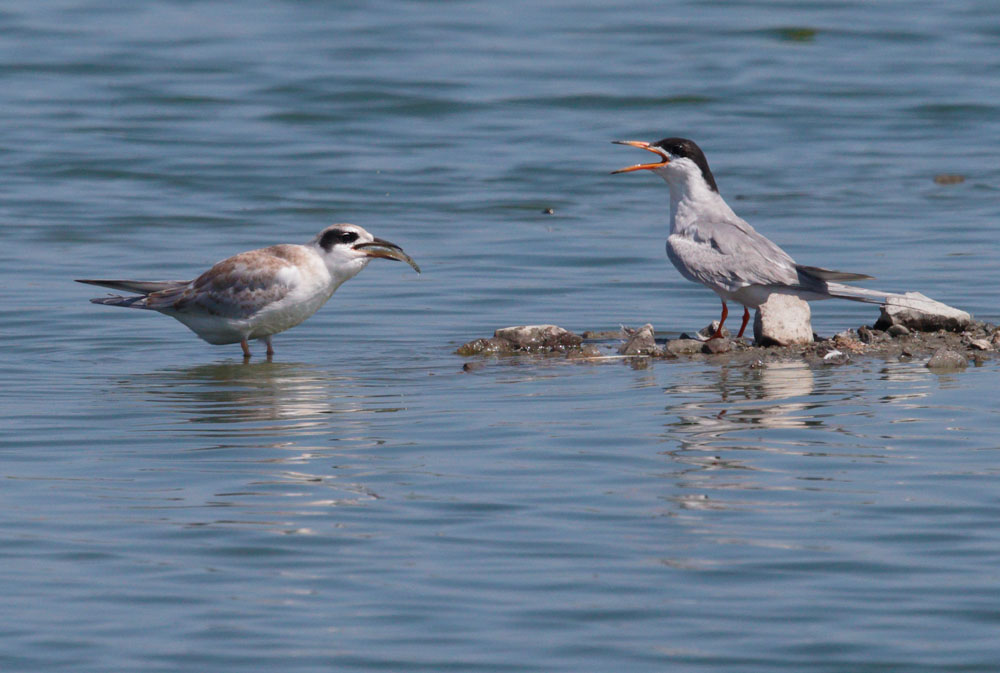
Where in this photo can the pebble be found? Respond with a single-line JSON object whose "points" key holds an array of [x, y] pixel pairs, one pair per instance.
{"points": [[640, 342], [716, 346], [583, 352], [945, 358], [683, 346], [868, 335]]}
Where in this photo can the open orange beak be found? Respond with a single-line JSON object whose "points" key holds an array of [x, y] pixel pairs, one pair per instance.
{"points": [[664, 159]]}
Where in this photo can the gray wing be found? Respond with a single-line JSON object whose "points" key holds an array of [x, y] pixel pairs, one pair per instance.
{"points": [[730, 255]]}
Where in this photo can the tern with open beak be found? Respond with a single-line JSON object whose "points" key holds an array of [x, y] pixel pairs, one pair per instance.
{"points": [[258, 293], [711, 245]]}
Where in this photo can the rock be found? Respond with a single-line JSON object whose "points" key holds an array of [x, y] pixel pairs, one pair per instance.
{"points": [[946, 358], [583, 352], [709, 329], [640, 342], [605, 334], [897, 331], [847, 342], [538, 338], [783, 320], [868, 336], [683, 346], [918, 312], [473, 366], [716, 346], [980, 344], [484, 347], [523, 338]]}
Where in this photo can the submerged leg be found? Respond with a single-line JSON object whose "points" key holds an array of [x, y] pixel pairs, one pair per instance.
{"points": [[246, 348], [746, 317], [722, 321]]}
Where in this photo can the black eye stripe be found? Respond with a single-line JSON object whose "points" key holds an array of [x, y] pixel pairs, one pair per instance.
{"points": [[337, 236]]}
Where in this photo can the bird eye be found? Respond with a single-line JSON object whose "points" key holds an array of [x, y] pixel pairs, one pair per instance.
{"points": [[337, 237]]}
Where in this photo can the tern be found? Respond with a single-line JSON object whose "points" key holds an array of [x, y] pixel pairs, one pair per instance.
{"points": [[258, 293], [711, 245]]}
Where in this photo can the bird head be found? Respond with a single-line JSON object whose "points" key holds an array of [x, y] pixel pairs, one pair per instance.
{"points": [[681, 164], [347, 248]]}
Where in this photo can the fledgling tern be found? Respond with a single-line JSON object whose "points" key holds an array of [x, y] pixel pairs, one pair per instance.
{"points": [[258, 293], [711, 245]]}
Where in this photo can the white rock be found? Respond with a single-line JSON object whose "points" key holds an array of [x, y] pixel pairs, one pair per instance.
{"points": [[919, 312], [783, 320]]}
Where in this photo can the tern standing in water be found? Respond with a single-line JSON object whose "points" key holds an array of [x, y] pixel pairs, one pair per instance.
{"points": [[256, 294], [711, 245]]}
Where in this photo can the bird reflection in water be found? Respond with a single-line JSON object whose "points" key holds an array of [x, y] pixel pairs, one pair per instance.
{"points": [[766, 402], [264, 398], [284, 433]]}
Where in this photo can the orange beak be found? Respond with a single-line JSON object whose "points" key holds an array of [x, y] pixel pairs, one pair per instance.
{"points": [[664, 159]]}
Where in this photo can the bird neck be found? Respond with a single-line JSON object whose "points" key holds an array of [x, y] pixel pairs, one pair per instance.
{"points": [[692, 201], [345, 270]]}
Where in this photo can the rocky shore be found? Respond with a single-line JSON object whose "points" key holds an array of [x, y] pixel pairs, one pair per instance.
{"points": [[941, 348]]}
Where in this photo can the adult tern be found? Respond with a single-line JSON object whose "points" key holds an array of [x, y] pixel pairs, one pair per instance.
{"points": [[711, 245]]}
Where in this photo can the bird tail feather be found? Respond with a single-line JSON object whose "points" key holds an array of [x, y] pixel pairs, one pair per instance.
{"points": [[828, 275], [135, 301], [143, 288], [137, 286], [861, 294]]}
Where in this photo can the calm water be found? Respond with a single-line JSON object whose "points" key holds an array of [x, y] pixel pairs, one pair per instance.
{"points": [[360, 504]]}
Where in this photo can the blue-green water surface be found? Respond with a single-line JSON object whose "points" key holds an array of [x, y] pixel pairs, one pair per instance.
{"points": [[362, 504]]}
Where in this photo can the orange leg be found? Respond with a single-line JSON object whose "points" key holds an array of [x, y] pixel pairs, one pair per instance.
{"points": [[246, 348], [746, 317], [722, 321]]}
